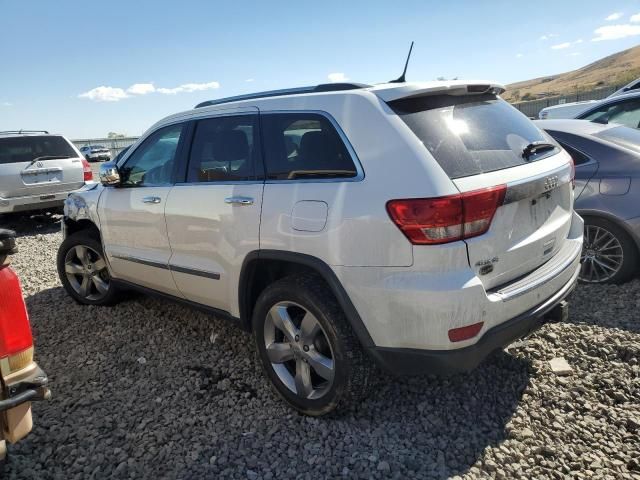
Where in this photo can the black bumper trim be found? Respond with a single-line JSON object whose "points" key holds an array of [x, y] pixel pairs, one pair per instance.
{"points": [[409, 361], [30, 389]]}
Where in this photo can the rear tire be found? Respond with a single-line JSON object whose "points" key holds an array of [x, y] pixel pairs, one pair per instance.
{"points": [[318, 365], [609, 254], [83, 270]]}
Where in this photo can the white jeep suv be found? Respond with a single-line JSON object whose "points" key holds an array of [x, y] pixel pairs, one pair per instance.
{"points": [[413, 226]]}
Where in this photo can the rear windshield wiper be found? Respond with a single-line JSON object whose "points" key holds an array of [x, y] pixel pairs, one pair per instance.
{"points": [[537, 147], [49, 157]]}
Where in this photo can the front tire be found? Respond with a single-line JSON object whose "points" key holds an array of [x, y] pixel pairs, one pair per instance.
{"points": [[609, 254], [83, 271], [307, 347]]}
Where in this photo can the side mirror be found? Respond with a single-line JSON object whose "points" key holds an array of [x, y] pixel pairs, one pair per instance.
{"points": [[109, 174]]}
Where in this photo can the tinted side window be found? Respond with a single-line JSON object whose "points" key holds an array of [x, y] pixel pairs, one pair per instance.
{"points": [[625, 113], [153, 161], [224, 149], [304, 145], [578, 157]]}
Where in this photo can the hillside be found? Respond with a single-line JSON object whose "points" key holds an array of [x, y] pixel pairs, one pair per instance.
{"points": [[617, 69]]}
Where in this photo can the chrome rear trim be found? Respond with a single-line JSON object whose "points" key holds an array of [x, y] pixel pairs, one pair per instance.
{"points": [[538, 185], [544, 274]]}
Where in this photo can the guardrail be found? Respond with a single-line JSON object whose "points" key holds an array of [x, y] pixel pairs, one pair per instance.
{"points": [[532, 108], [116, 145]]}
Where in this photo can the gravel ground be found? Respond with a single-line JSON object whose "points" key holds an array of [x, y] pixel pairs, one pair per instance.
{"points": [[156, 390]]}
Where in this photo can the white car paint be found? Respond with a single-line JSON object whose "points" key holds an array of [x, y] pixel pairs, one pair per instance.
{"points": [[566, 110], [408, 296]]}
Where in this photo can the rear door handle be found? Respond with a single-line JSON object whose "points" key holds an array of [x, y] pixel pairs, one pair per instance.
{"points": [[151, 199], [239, 200]]}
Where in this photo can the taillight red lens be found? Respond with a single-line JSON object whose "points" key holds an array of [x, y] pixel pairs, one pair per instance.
{"points": [[429, 221], [88, 174], [573, 173], [15, 331], [479, 208]]}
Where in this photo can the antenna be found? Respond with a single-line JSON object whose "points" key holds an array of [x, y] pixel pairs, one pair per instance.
{"points": [[401, 78]]}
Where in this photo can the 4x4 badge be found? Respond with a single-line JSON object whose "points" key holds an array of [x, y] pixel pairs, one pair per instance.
{"points": [[550, 183]]}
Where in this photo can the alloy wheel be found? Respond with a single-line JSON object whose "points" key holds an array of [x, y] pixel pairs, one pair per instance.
{"points": [[299, 350], [602, 255], [86, 271]]}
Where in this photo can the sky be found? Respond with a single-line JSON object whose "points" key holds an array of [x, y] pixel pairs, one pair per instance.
{"points": [[86, 68]]}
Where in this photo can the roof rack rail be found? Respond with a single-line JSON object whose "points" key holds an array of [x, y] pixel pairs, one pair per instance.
{"points": [[24, 131], [323, 87]]}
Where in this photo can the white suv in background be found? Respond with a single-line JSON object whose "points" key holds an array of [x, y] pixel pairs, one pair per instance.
{"points": [[414, 226], [38, 170]]}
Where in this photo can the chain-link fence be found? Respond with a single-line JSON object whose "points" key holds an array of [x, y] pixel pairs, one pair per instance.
{"points": [[532, 108], [116, 145]]}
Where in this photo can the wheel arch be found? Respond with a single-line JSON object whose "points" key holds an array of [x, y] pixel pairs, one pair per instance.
{"points": [[613, 219], [73, 226], [262, 267]]}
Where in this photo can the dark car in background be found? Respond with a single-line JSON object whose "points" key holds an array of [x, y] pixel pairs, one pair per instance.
{"points": [[96, 153], [607, 195]]}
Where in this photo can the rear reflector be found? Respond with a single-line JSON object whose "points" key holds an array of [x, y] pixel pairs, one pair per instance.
{"points": [[15, 331], [465, 333], [429, 221], [86, 168]]}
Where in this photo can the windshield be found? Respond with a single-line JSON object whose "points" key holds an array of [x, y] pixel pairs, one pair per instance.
{"points": [[471, 134], [28, 148]]}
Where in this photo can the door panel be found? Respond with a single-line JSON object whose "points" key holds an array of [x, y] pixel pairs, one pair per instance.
{"points": [[210, 238], [134, 233], [132, 216], [213, 219]]}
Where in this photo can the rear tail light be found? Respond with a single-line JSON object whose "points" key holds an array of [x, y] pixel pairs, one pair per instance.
{"points": [[15, 332], [573, 173], [86, 168], [429, 221], [465, 333]]}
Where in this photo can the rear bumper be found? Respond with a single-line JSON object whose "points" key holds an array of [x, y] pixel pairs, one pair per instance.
{"points": [[33, 202], [408, 361]]}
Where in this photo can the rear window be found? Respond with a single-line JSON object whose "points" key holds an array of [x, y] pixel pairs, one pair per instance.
{"points": [[471, 134], [624, 136], [29, 148]]}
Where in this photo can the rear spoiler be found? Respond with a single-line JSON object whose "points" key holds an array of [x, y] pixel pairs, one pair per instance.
{"points": [[395, 91]]}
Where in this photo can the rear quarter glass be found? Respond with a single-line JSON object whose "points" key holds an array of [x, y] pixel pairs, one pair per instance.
{"points": [[470, 134], [28, 147]]}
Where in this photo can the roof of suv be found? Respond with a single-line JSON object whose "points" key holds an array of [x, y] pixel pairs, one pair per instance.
{"points": [[387, 91], [17, 133]]}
